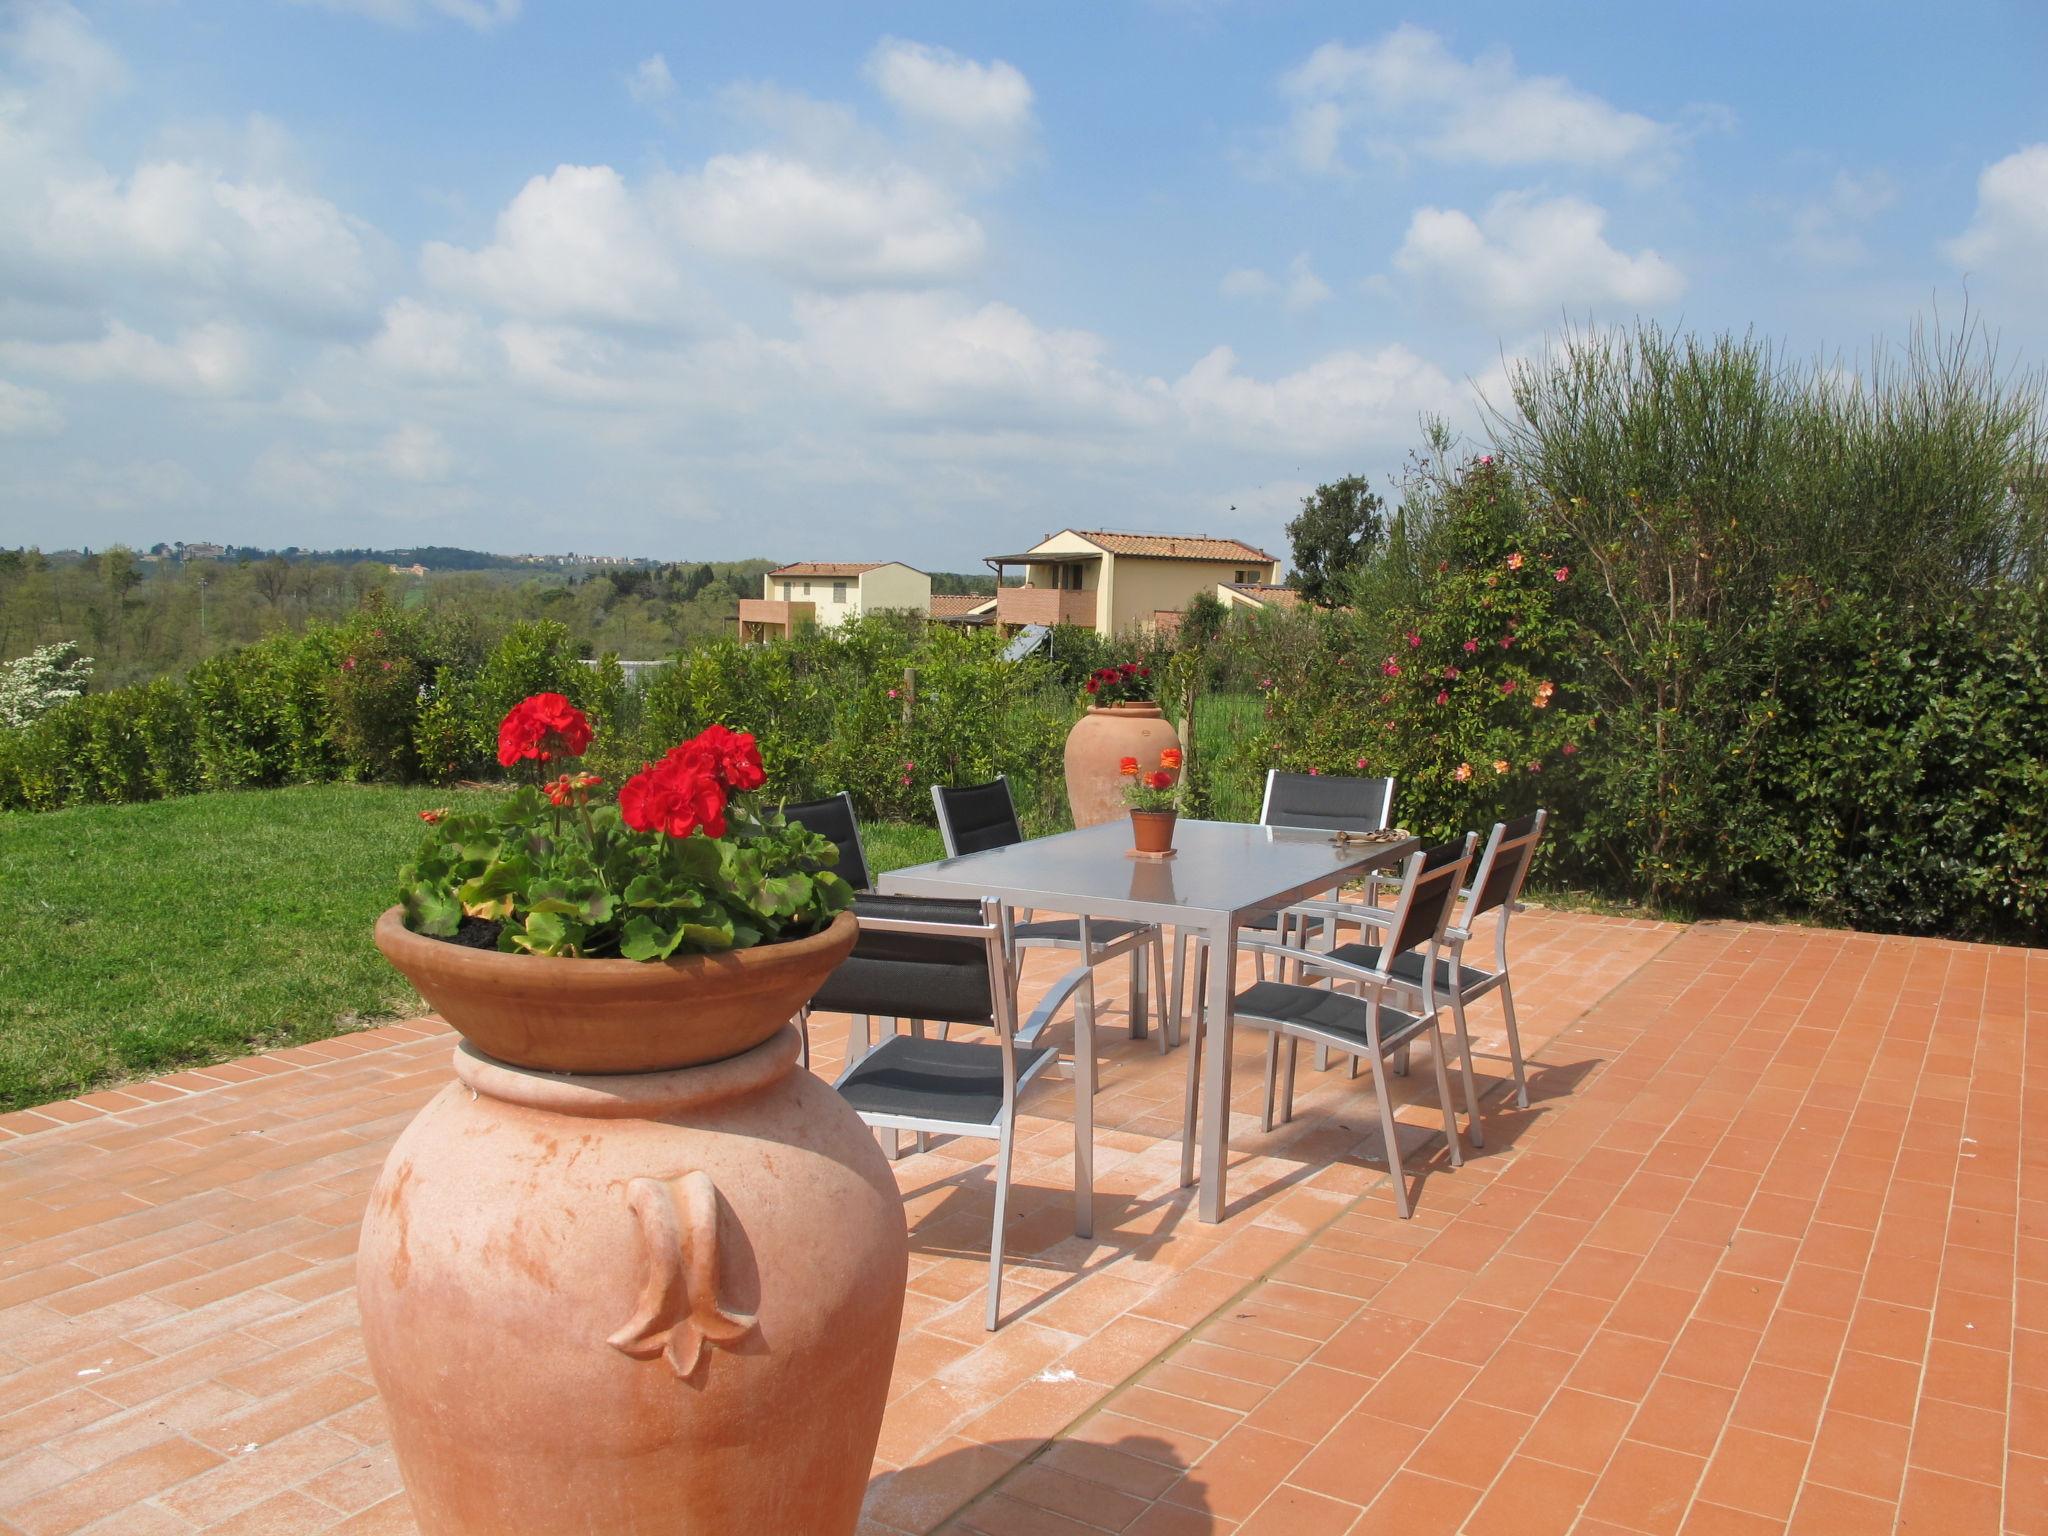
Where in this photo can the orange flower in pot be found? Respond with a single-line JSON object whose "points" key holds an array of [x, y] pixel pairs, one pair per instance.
{"points": [[1153, 796]]}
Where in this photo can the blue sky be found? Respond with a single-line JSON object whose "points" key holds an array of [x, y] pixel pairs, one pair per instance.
{"points": [[925, 281]]}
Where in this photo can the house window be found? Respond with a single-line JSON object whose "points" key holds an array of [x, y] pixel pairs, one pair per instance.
{"points": [[838, 591], [807, 589], [1070, 578], [785, 591], [1245, 577]]}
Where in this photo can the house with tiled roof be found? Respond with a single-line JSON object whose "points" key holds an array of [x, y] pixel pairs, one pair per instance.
{"points": [[830, 592], [970, 608], [1256, 596], [1112, 582]]}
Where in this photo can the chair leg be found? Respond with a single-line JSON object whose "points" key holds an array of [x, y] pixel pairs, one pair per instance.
{"points": [[1191, 1098], [1507, 1008], [1259, 964], [1287, 1082], [1272, 1079], [803, 1038], [1389, 1133], [1472, 1125], [1140, 1009], [995, 1240], [1443, 1096], [1401, 1061], [1169, 1026]]}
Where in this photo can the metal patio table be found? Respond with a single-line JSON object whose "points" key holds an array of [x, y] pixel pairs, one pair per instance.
{"points": [[1223, 873]]}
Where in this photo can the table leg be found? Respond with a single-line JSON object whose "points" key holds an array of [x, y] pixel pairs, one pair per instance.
{"points": [[1191, 1105], [1084, 1096], [1216, 1129]]}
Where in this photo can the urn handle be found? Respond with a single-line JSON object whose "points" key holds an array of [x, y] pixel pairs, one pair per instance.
{"points": [[678, 1312]]}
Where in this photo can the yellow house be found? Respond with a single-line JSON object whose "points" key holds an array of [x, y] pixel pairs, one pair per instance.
{"points": [[1114, 582], [826, 592]]}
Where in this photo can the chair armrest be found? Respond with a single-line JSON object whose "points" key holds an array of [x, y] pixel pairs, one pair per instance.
{"points": [[1314, 960]]}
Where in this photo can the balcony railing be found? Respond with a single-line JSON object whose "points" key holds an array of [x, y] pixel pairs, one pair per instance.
{"points": [[1044, 605]]}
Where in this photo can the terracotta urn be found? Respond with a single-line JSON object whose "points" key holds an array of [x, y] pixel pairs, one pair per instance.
{"points": [[1095, 790], [656, 1300], [1152, 831]]}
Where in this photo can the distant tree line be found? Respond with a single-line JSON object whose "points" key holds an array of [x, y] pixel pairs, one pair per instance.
{"points": [[142, 618]]}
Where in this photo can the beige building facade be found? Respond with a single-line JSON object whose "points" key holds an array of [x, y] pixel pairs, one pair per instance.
{"points": [[829, 593], [1113, 582]]}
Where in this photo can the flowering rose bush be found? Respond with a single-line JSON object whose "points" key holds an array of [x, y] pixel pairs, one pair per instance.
{"points": [[684, 862]]}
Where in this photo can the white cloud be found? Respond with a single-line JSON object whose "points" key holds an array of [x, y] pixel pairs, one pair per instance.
{"points": [[26, 412], [1526, 255], [414, 452], [1301, 291], [210, 359], [480, 14], [1348, 398], [650, 83], [988, 102], [814, 226], [1827, 231], [428, 342], [406, 459], [935, 357], [72, 69], [1408, 92], [194, 229], [575, 245], [2008, 235]]}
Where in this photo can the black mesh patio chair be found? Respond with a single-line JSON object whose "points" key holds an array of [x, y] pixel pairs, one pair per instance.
{"points": [[1497, 888], [833, 820], [1363, 1023], [975, 817], [1324, 803], [937, 960]]}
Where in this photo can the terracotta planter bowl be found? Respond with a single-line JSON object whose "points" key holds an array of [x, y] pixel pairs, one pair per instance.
{"points": [[561, 1015]]}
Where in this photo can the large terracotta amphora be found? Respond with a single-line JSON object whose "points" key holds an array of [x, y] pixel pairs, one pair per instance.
{"points": [[1099, 740], [657, 1302]]}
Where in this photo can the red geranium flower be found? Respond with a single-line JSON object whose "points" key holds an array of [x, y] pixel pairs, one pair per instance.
{"points": [[1170, 758], [731, 757], [539, 727], [1127, 766], [1159, 778], [676, 796]]}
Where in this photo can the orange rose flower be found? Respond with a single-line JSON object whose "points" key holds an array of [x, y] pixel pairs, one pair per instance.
{"points": [[1128, 767], [1170, 758]]}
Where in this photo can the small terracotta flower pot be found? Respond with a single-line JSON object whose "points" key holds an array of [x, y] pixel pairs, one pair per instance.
{"points": [[1152, 831]]}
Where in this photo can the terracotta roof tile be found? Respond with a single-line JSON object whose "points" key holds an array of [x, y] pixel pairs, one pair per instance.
{"points": [[826, 568], [1267, 594], [1175, 546], [957, 605]]}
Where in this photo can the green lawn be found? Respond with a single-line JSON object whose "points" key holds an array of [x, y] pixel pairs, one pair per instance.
{"points": [[140, 939]]}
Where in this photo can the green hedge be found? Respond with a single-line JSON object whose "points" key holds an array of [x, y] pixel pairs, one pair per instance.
{"points": [[388, 696], [395, 697]]}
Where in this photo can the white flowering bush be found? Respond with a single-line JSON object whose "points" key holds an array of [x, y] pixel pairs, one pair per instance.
{"points": [[37, 682]]}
